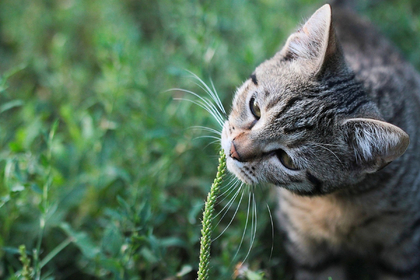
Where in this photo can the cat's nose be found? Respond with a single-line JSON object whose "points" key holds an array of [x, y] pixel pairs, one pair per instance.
{"points": [[233, 153], [243, 149]]}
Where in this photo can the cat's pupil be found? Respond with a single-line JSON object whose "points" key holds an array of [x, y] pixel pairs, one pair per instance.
{"points": [[286, 160], [255, 109]]}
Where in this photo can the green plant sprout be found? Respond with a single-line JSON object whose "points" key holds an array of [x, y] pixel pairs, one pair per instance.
{"points": [[203, 267], [27, 270]]}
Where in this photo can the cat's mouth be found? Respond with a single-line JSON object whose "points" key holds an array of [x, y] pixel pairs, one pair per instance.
{"points": [[242, 172]]}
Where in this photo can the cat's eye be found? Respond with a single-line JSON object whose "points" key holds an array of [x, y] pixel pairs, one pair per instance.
{"points": [[286, 160], [255, 109]]}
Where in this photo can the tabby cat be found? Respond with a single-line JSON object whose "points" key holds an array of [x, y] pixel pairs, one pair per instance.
{"points": [[328, 119]]}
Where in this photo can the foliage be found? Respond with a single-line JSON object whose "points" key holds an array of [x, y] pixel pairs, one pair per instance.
{"points": [[101, 173]]}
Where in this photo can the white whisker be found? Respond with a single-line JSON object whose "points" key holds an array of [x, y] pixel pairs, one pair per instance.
{"points": [[212, 130], [231, 184], [227, 206], [208, 104], [253, 226], [205, 100], [232, 181], [234, 215], [246, 225], [232, 189], [272, 231], [207, 136], [210, 92], [202, 105], [217, 97], [217, 141]]}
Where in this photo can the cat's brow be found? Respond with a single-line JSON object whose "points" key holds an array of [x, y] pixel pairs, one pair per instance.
{"points": [[253, 78]]}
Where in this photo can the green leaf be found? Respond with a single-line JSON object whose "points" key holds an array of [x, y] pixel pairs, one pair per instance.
{"points": [[17, 188], [36, 188], [18, 172], [252, 275], [112, 240], [172, 241], [184, 270], [82, 241], [124, 205], [4, 200], [149, 255], [11, 104]]}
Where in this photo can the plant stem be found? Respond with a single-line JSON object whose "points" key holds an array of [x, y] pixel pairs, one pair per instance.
{"points": [[54, 252], [203, 268]]}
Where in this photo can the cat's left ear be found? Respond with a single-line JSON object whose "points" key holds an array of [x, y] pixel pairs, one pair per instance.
{"points": [[374, 143], [316, 43]]}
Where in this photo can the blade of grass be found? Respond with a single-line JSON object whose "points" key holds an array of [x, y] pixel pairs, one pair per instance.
{"points": [[55, 252]]}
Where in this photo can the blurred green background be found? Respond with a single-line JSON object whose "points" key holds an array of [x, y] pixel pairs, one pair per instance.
{"points": [[102, 175]]}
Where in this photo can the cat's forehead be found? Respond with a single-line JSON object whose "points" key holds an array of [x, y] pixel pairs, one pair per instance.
{"points": [[275, 74], [273, 80]]}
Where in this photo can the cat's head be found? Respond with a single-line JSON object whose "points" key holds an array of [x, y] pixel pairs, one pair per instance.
{"points": [[302, 121]]}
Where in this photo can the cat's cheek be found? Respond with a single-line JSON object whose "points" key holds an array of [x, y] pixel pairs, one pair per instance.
{"points": [[225, 142], [231, 165], [233, 168]]}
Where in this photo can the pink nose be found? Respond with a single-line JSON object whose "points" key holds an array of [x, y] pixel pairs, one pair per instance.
{"points": [[233, 153]]}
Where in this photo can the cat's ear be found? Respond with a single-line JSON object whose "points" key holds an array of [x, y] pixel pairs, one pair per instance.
{"points": [[315, 42], [374, 143]]}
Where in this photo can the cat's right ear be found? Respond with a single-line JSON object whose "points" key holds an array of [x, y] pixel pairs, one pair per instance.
{"points": [[315, 44], [374, 143]]}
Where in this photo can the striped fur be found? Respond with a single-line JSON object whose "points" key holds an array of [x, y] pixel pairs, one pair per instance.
{"points": [[340, 101]]}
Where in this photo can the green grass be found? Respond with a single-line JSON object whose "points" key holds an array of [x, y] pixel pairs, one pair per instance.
{"points": [[101, 174]]}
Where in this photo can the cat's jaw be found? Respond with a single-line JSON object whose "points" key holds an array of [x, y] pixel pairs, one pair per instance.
{"points": [[240, 169]]}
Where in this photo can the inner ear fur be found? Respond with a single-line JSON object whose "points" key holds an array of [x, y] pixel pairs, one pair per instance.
{"points": [[316, 43], [375, 143]]}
